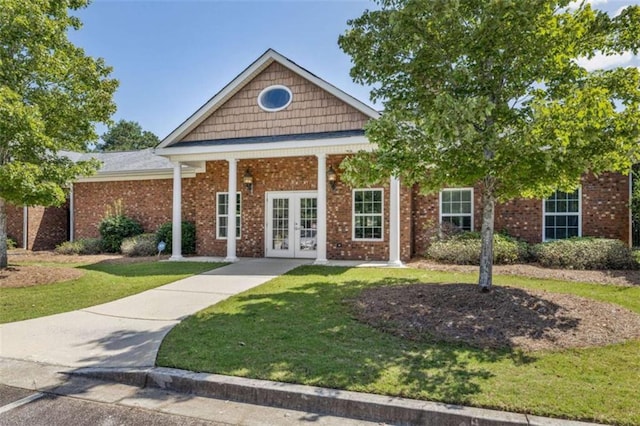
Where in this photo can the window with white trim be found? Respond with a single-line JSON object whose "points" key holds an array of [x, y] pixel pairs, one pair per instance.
{"points": [[222, 208], [562, 215], [456, 207], [368, 214], [275, 98]]}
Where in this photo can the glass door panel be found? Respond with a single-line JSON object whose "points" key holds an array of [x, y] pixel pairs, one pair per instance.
{"points": [[280, 224], [306, 226]]}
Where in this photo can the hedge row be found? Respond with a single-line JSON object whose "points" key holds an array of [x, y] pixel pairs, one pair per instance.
{"points": [[572, 253], [585, 253], [464, 249], [124, 235]]}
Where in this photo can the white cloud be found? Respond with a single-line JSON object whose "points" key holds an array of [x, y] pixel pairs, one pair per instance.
{"points": [[618, 11], [601, 61], [576, 3]]}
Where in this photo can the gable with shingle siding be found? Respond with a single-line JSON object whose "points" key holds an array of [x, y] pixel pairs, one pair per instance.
{"points": [[313, 110]]}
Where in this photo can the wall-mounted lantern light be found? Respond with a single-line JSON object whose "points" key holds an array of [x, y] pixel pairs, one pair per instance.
{"points": [[247, 179], [332, 177]]}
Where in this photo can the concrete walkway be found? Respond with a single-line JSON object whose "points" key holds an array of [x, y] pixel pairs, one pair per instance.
{"points": [[128, 332]]}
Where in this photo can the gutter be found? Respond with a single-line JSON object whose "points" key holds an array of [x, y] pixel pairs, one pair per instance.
{"points": [[125, 175]]}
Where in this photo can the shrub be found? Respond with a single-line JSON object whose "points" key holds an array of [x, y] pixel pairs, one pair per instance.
{"points": [[11, 243], [140, 245], [114, 229], [433, 231], [585, 253], [165, 233], [464, 249], [81, 246]]}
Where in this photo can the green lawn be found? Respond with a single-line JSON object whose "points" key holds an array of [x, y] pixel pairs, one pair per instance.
{"points": [[102, 282], [298, 328]]}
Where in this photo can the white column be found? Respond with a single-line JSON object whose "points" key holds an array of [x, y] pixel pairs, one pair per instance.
{"points": [[321, 222], [394, 222], [176, 236], [231, 211], [25, 227], [72, 215]]}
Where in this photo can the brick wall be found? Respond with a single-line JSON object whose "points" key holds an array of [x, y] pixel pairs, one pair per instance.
{"points": [[287, 174], [46, 226], [311, 110], [424, 220], [148, 201], [605, 212], [340, 244], [15, 224], [605, 206], [521, 218], [425, 217]]}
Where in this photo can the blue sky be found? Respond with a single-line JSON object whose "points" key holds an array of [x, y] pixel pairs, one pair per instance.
{"points": [[171, 56]]}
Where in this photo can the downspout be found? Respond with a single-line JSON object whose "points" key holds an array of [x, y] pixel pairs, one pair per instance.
{"points": [[25, 227]]}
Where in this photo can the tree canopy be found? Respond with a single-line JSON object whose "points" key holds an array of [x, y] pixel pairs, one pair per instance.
{"points": [[51, 97], [127, 136], [492, 92]]}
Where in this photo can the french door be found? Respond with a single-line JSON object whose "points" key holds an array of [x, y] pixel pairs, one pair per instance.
{"points": [[291, 221]]}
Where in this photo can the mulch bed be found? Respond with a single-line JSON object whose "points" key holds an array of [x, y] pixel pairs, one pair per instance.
{"points": [[50, 256], [506, 317], [31, 275], [26, 275], [627, 277]]}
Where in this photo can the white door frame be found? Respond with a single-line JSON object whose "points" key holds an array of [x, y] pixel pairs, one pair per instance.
{"points": [[291, 245]]}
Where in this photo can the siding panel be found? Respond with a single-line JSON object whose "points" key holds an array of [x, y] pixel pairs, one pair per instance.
{"points": [[312, 110]]}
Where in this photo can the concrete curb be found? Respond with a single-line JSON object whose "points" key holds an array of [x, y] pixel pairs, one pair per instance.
{"points": [[334, 402]]}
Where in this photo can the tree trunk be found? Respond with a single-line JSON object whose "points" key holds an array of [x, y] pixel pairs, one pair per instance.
{"points": [[486, 250], [3, 234]]}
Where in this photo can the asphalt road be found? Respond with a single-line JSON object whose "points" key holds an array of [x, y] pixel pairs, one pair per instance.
{"points": [[106, 404], [53, 410]]}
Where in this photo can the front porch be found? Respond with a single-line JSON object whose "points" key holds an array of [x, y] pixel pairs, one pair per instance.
{"points": [[288, 208]]}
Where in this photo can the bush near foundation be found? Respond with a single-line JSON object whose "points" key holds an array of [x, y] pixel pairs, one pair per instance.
{"points": [[114, 229], [81, 246], [140, 245], [165, 233], [585, 253], [11, 243], [464, 249]]}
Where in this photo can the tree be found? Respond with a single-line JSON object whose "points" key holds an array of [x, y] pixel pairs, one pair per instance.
{"points": [[492, 92], [127, 136], [52, 95]]}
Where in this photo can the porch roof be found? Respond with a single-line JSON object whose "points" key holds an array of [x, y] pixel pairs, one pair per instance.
{"points": [[273, 139]]}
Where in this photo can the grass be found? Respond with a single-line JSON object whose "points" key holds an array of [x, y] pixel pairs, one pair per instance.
{"points": [[101, 283], [298, 328]]}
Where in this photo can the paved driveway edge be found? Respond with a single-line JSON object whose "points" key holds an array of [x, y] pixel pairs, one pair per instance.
{"points": [[315, 399]]}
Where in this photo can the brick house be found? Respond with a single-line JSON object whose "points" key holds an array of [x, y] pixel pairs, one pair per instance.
{"points": [[275, 136], [284, 132]]}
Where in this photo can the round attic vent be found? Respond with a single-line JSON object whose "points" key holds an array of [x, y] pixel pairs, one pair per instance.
{"points": [[275, 98]]}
